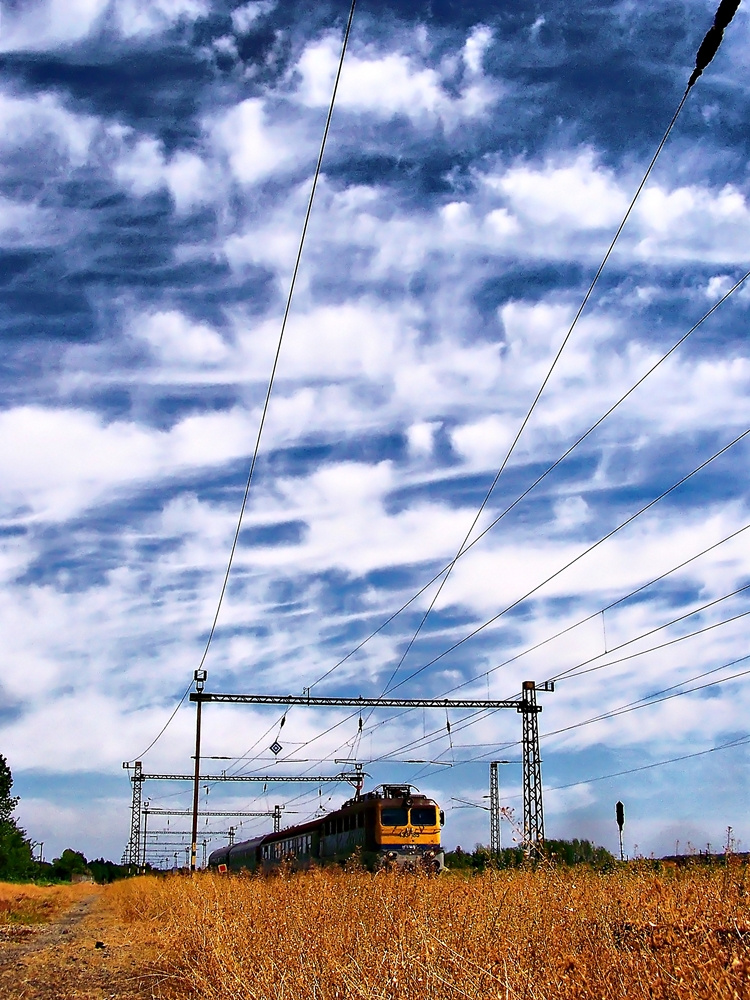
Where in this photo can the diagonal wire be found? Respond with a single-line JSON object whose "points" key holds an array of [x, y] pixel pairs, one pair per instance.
{"points": [[281, 333], [577, 558], [274, 367], [541, 389], [538, 480]]}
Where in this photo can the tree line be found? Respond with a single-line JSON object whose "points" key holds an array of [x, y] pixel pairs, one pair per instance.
{"points": [[17, 861]]}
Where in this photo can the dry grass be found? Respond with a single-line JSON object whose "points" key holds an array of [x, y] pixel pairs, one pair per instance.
{"points": [[33, 904], [544, 934]]}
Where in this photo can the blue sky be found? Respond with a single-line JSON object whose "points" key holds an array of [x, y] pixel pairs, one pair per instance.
{"points": [[156, 162]]}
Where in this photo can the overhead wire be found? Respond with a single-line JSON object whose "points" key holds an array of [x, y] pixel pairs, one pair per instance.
{"points": [[728, 7], [285, 318], [274, 367], [538, 480], [738, 741], [705, 54], [576, 559], [545, 381], [436, 734]]}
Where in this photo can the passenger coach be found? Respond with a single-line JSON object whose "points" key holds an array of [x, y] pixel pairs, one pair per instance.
{"points": [[392, 825]]}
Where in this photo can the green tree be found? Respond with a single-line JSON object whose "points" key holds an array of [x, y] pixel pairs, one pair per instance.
{"points": [[16, 859], [69, 863]]}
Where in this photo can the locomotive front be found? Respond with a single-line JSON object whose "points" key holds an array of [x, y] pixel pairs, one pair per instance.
{"points": [[407, 829]]}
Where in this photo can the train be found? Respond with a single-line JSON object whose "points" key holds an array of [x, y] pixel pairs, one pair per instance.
{"points": [[393, 826]]}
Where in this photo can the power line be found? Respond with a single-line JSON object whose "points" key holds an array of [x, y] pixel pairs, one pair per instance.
{"points": [[475, 717], [274, 367], [163, 729], [543, 386], [577, 558], [738, 741], [644, 702], [706, 52], [583, 621], [654, 699], [464, 544], [643, 652], [287, 309], [539, 478], [522, 496]]}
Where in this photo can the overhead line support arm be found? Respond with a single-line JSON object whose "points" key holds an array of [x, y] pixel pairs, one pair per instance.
{"points": [[289, 699]]}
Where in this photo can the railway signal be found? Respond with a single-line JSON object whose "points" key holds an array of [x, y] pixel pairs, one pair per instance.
{"points": [[620, 816]]}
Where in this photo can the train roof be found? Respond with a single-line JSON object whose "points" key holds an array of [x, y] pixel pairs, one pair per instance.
{"points": [[222, 854]]}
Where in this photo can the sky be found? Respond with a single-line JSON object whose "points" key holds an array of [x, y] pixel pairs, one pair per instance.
{"points": [[157, 159]]}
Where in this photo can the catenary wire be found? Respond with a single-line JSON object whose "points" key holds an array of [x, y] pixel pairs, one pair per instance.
{"points": [[439, 733], [569, 628], [707, 56], [541, 389], [287, 310], [577, 558], [649, 371], [163, 729], [274, 367], [706, 52], [538, 480], [471, 719], [736, 742]]}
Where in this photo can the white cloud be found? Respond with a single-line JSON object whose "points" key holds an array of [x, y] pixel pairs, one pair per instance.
{"points": [[42, 121], [255, 149], [393, 83], [577, 195], [177, 341], [134, 17], [421, 437], [49, 24], [57, 462], [244, 17], [143, 168]]}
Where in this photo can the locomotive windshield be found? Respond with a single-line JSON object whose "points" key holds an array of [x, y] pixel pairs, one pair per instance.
{"points": [[423, 816], [395, 816]]}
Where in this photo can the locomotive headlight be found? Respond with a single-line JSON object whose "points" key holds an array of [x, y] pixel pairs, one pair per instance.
{"points": [[391, 855]]}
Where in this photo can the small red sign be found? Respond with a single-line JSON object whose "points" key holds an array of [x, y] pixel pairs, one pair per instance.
{"points": [[222, 869]]}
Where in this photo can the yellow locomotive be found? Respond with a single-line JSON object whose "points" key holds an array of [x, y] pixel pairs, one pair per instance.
{"points": [[392, 825]]}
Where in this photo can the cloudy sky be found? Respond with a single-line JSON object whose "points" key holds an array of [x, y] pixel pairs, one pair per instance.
{"points": [[157, 158]]}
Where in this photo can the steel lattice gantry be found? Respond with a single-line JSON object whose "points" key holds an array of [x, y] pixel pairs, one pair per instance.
{"points": [[494, 811], [133, 850], [533, 818], [533, 810]]}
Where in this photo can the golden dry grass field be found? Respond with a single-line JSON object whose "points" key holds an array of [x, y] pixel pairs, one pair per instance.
{"points": [[517, 935]]}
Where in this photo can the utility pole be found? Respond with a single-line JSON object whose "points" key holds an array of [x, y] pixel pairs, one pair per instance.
{"points": [[231, 835], [494, 811], [620, 817], [133, 851], [276, 818], [200, 680], [145, 834], [533, 810]]}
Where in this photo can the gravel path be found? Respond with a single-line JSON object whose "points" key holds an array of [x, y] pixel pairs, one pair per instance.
{"points": [[81, 955]]}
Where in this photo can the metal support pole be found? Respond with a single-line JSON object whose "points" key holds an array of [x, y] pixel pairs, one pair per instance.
{"points": [[145, 836], [533, 811], [276, 818], [133, 850], [200, 680], [495, 843]]}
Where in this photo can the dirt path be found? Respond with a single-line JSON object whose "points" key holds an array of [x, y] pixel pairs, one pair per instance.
{"points": [[81, 955]]}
